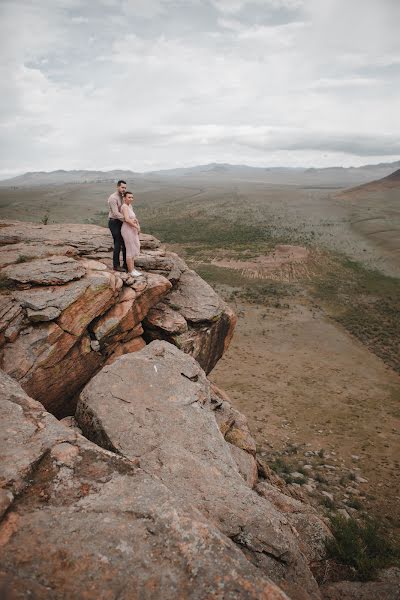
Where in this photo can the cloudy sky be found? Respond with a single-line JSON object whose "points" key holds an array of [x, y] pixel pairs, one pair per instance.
{"points": [[148, 84]]}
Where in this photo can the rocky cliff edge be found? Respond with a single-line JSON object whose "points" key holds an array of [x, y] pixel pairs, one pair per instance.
{"points": [[155, 492], [64, 313]]}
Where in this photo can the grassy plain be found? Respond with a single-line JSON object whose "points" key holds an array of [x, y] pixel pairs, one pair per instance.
{"points": [[315, 361]]}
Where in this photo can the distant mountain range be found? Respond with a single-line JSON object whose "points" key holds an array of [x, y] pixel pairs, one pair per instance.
{"points": [[61, 177], [329, 177]]}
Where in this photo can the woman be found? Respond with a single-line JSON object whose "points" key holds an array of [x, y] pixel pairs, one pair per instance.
{"points": [[130, 232]]}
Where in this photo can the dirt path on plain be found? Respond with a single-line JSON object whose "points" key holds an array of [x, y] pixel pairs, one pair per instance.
{"points": [[300, 378]]}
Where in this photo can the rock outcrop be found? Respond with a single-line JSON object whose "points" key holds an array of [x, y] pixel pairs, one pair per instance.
{"points": [[157, 407], [195, 319], [162, 498], [81, 522], [64, 313]]}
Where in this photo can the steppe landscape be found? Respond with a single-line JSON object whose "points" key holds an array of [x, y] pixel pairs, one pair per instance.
{"points": [[312, 270]]}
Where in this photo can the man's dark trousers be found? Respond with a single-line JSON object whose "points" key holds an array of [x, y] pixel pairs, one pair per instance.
{"points": [[115, 228]]}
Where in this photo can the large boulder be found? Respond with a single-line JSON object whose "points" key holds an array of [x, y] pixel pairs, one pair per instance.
{"points": [[157, 407], [210, 322], [77, 521]]}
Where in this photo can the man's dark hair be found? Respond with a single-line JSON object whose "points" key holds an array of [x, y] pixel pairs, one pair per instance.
{"points": [[126, 193], [121, 181]]}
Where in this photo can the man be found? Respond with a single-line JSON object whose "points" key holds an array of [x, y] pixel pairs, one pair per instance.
{"points": [[115, 220]]}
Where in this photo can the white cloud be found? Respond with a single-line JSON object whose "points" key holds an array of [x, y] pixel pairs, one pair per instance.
{"points": [[235, 6], [227, 88], [146, 9], [331, 82]]}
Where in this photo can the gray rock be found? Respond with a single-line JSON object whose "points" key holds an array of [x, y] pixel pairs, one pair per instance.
{"points": [[168, 264], [312, 530], [194, 299], [85, 239], [25, 252], [46, 271], [210, 321], [246, 464], [59, 297], [327, 495], [47, 314]]}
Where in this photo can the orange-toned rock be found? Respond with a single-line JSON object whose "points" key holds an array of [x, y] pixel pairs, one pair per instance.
{"points": [[11, 319], [56, 384], [44, 345], [96, 298], [133, 345], [60, 309], [156, 287], [154, 405], [163, 317]]}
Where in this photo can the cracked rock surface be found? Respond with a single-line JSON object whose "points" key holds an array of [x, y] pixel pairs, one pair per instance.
{"points": [[157, 407], [77, 521]]}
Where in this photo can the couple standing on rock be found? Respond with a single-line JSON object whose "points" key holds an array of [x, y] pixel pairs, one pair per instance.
{"points": [[124, 228]]}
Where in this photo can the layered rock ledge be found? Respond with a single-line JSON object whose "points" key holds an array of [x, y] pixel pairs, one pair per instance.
{"points": [[64, 313]]}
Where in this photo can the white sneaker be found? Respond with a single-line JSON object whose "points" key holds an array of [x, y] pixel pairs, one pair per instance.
{"points": [[135, 273]]}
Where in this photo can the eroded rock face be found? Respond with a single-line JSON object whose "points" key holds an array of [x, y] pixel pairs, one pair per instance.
{"points": [[64, 313], [157, 407]]}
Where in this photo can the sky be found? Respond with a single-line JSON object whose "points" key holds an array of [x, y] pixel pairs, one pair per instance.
{"points": [[151, 84]]}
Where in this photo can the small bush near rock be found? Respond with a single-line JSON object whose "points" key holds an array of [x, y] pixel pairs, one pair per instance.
{"points": [[354, 503], [5, 283], [362, 545], [280, 466], [22, 258]]}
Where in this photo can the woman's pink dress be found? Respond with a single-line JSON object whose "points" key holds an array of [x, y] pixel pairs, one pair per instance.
{"points": [[131, 236]]}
